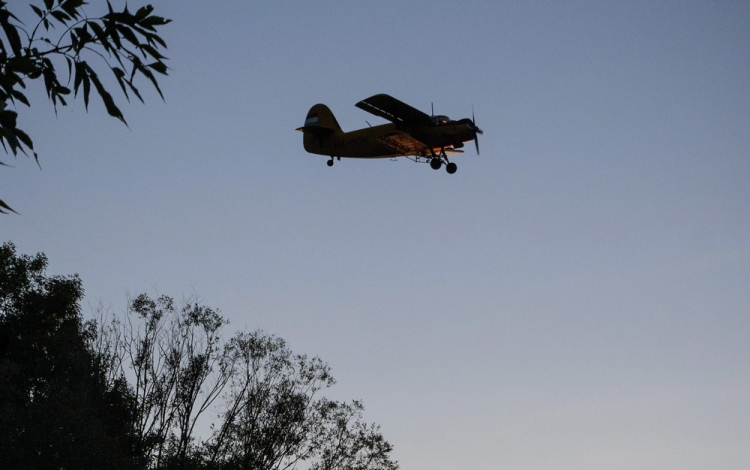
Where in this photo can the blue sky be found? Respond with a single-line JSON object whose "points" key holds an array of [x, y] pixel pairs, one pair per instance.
{"points": [[577, 296]]}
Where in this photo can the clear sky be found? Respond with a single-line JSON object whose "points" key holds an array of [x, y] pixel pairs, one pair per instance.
{"points": [[577, 296]]}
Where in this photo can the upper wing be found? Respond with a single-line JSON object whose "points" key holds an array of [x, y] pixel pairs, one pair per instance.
{"points": [[404, 144], [393, 110]]}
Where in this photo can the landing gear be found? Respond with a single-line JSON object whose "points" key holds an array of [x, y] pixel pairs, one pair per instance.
{"points": [[437, 160], [330, 162]]}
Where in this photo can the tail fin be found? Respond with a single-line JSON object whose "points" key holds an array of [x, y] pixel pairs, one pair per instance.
{"points": [[320, 120]]}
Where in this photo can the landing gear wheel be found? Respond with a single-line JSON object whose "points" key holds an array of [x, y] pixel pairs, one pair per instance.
{"points": [[435, 163], [451, 168], [330, 162]]}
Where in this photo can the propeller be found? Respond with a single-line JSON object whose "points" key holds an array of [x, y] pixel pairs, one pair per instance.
{"points": [[475, 129]]}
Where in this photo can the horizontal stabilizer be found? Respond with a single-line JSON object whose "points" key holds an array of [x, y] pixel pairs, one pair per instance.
{"points": [[315, 129]]}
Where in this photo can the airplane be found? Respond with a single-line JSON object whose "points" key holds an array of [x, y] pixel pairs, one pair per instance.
{"points": [[411, 133]]}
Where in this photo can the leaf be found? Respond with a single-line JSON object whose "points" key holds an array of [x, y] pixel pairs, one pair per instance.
{"points": [[144, 11], [100, 35], [15, 94], [48, 4], [148, 75], [86, 90], [159, 67], [128, 34], [109, 103], [10, 32], [8, 119], [119, 75], [152, 21], [83, 36], [74, 42], [135, 91], [38, 12], [23, 137], [112, 32], [50, 79], [145, 33], [152, 51], [71, 7], [10, 15], [5, 207], [60, 16], [9, 135], [80, 72]]}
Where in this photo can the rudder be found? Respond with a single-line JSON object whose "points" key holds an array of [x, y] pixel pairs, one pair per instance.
{"points": [[320, 129], [320, 119]]}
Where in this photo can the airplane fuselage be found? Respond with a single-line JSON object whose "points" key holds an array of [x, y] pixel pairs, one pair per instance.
{"points": [[362, 143], [368, 142]]}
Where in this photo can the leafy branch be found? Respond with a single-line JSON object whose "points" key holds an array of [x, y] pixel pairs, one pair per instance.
{"points": [[127, 43]]}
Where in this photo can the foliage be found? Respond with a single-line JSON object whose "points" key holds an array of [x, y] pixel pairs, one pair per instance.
{"points": [[126, 43], [56, 410], [132, 392], [270, 415], [177, 369], [260, 398]]}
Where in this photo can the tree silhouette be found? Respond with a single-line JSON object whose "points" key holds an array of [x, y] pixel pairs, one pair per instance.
{"points": [[56, 409], [261, 399], [132, 391]]}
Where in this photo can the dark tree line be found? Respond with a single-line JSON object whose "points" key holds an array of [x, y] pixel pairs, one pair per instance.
{"points": [[56, 408], [134, 391]]}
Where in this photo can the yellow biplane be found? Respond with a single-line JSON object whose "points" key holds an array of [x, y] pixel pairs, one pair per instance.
{"points": [[411, 133]]}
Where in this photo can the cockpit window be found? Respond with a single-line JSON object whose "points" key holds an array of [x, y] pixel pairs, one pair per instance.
{"points": [[439, 120]]}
